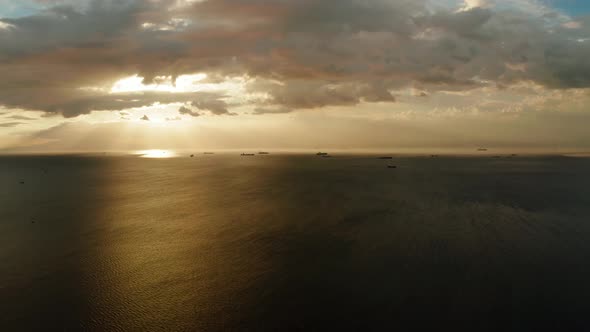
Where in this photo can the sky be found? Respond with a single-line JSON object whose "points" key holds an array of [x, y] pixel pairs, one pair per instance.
{"points": [[571, 7], [399, 75]]}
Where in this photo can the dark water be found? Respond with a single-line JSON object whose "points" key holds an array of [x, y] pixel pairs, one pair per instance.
{"points": [[282, 243]]}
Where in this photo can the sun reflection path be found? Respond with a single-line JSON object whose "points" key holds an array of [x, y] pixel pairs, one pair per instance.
{"points": [[156, 154]]}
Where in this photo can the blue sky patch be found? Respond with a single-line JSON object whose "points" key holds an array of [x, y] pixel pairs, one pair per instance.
{"points": [[571, 7], [14, 9]]}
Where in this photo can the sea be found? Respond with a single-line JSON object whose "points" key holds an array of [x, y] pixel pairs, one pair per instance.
{"points": [[294, 242]]}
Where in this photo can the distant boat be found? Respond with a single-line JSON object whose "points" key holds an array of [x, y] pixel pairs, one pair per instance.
{"points": [[208, 153], [192, 155], [391, 166], [321, 154], [263, 153], [482, 149], [247, 154], [22, 182], [385, 158]]}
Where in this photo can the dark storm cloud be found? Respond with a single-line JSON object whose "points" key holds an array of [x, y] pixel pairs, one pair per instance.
{"points": [[302, 53]]}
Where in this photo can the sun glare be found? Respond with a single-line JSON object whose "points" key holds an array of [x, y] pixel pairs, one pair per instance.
{"points": [[183, 83], [233, 86], [156, 154]]}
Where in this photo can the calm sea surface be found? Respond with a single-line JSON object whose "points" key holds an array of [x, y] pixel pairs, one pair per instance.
{"points": [[279, 242]]}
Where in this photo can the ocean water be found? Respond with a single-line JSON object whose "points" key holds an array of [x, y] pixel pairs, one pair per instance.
{"points": [[294, 242]]}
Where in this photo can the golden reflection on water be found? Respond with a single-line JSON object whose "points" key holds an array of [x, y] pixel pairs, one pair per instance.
{"points": [[161, 261], [156, 153], [129, 244], [145, 268]]}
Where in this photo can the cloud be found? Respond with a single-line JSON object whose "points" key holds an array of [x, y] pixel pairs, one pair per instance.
{"points": [[300, 54], [271, 110], [5, 26], [70, 104], [145, 118], [10, 124], [471, 4], [215, 106], [124, 115], [187, 111], [211, 103], [20, 117], [572, 25], [301, 94]]}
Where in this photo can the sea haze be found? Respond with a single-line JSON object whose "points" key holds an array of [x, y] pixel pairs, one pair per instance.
{"points": [[294, 242]]}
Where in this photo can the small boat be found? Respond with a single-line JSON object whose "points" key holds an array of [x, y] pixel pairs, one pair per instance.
{"points": [[391, 166], [263, 153], [192, 155], [321, 154], [385, 158], [208, 153], [482, 149], [22, 181], [247, 154]]}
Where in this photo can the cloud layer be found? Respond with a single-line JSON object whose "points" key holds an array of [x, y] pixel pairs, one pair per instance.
{"points": [[299, 53]]}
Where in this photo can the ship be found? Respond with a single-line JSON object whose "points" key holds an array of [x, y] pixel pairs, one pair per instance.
{"points": [[247, 154], [321, 154]]}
